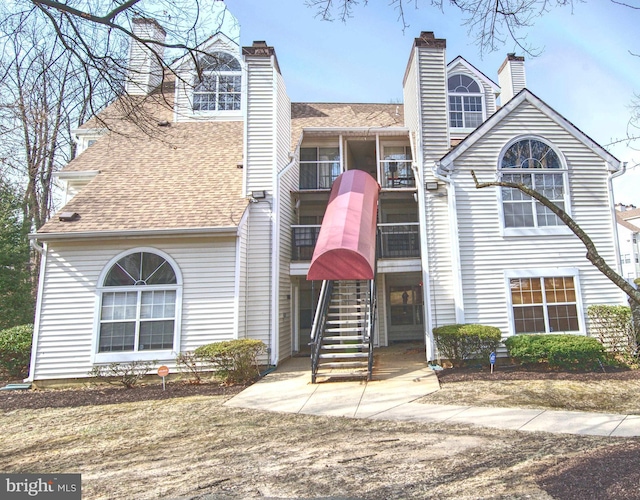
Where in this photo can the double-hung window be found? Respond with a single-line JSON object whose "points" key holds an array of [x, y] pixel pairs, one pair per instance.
{"points": [[544, 304], [534, 164], [139, 308], [465, 102], [219, 84]]}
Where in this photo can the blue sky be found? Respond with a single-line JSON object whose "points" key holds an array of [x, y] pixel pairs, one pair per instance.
{"points": [[585, 70]]}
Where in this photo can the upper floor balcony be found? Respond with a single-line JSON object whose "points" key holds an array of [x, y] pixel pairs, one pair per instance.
{"points": [[394, 241], [389, 164]]}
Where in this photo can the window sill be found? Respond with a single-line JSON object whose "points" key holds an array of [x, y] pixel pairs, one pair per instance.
{"points": [[128, 356], [535, 231]]}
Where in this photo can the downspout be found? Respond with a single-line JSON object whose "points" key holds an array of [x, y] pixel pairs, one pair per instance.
{"points": [[454, 238], [424, 251], [612, 176], [43, 250], [275, 284]]}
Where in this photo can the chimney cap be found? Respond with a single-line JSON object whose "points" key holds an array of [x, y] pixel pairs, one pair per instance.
{"points": [[428, 39]]}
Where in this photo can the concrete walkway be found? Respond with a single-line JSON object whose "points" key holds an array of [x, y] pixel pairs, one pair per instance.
{"points": [[397, 383]]}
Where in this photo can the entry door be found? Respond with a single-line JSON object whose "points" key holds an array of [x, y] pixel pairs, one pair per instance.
{"points": [[405, 309]]}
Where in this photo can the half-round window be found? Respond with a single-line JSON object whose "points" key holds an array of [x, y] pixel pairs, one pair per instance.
{"points": [[139, 305], [465, 102], [219, 83], [536, 165]]}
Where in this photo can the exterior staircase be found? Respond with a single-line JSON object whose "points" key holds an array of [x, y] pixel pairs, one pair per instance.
{"points": [[342, 346]]}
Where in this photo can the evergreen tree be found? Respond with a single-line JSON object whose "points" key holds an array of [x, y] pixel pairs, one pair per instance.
{"points": [[16, 296]]}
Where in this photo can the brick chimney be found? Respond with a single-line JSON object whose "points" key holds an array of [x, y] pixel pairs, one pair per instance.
{"points": [[511, 77], [145, 68]]}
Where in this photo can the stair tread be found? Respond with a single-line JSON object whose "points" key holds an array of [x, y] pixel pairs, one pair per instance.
{"points": [[343, 346], [345, 365], [344, 337], [344, 355]]}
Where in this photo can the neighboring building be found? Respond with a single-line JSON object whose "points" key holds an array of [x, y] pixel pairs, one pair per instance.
{"points": [[202, 228], [628, 217]]}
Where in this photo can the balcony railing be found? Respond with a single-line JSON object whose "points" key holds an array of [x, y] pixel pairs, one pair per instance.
{"points": [[319, 175], [397, 174], [303, 242], [394, 241], [398, 240]]}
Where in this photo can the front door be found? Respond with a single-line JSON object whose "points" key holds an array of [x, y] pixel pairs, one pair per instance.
{"points": [[405, 310]]}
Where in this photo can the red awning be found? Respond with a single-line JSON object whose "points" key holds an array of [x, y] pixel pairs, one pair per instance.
{"points": [[346, 247]]}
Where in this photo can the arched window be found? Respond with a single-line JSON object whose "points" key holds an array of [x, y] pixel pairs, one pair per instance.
{"points": [[218, 86], [139, 305], [535, 164], [465, 102]]}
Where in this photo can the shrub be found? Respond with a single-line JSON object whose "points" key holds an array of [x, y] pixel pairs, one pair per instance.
{"points": [[564, 352], [193, 364], [15, 350], [462, 342], [235, 361], [127, 374], [612, 326]]}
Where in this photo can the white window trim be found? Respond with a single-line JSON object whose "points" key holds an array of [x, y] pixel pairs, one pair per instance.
{"points": [[149, 355], [481, 94], [562, 229], [551, 272]]}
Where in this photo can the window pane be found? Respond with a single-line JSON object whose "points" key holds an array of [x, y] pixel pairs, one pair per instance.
{"points": [[563, 318], [473, 103], [518, 214], [526, 290], [529, 319], [117, 337], [559, 289], [118, 306], [308, 176], [156, 270], [329, 154], [455, 120], [156, 335], [308, 154], [158, 304], [455, 103]]}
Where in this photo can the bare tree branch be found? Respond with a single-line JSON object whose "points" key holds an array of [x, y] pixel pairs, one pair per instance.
{"points": [[592, 254]]}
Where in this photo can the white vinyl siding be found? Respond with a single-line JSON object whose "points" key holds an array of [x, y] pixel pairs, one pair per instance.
{"points": [[67, 335], [486, 253], [286, 217], [435, 143]]}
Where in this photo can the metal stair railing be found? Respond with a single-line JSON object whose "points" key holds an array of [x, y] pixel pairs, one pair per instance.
{"points": [[317, 329], [371, 324]]}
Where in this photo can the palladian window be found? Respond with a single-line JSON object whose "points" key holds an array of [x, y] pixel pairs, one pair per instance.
{"points": [[218, 88], [536, 165], [465, 102], [139, 305]]}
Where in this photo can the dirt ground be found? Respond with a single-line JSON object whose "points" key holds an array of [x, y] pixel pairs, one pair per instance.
{"points": [[143, 443]]}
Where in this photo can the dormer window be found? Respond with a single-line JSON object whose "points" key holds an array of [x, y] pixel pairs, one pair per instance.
{"points": [[218, 87], [465, 102]]}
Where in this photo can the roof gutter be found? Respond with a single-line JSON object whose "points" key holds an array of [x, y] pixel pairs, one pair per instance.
{"points": [[137, 233], [375, 130]]}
